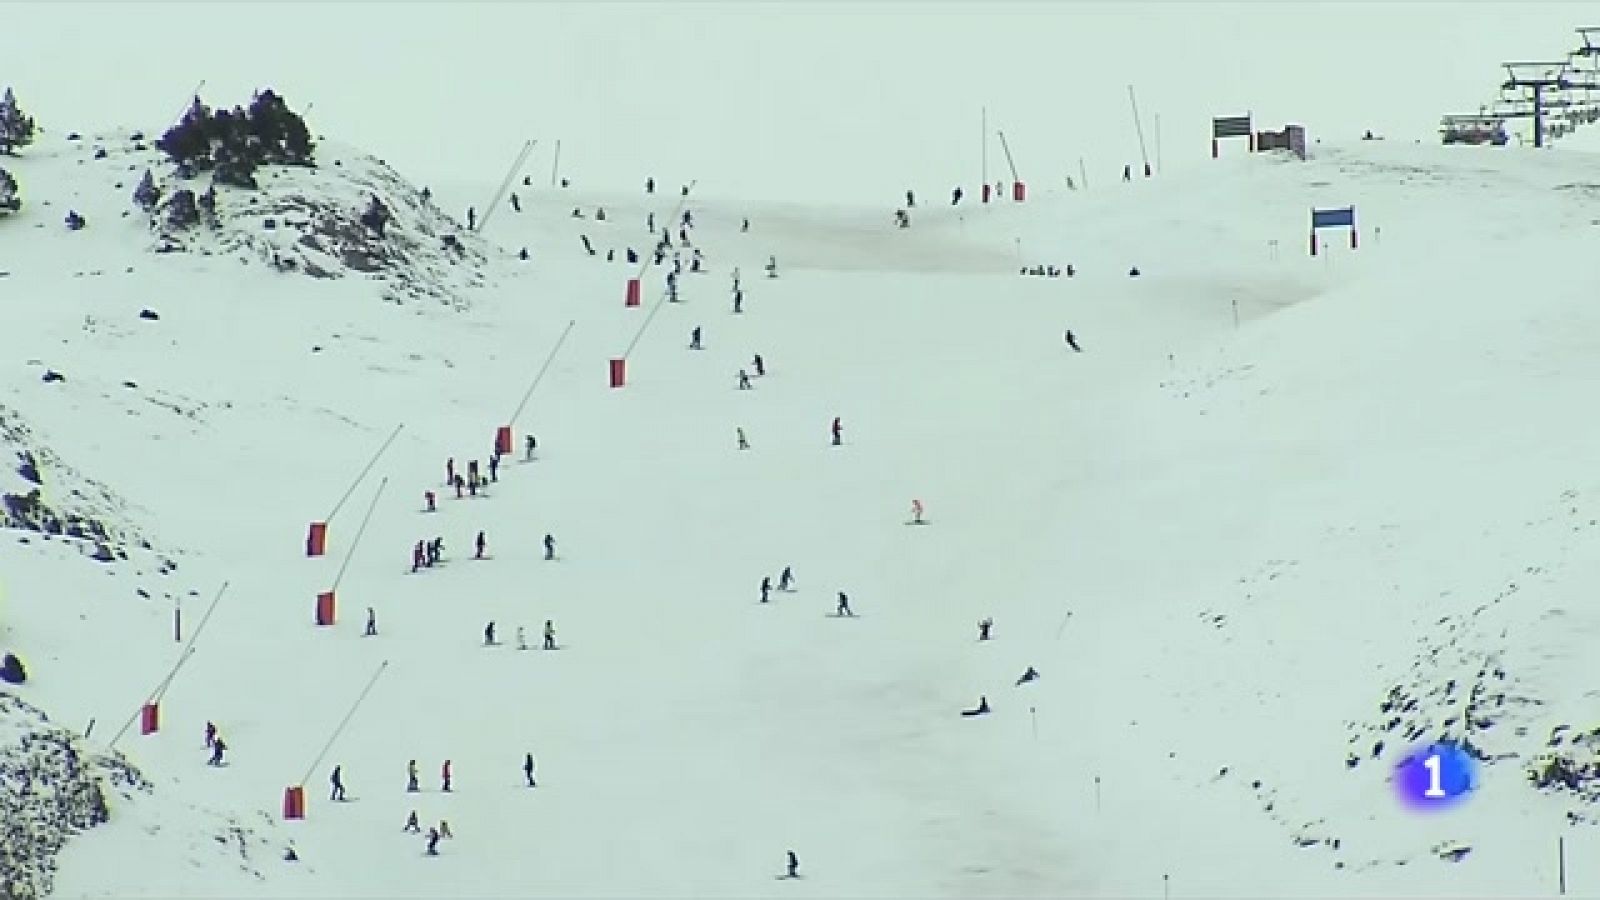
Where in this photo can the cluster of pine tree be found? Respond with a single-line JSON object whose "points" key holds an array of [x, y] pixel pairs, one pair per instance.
{"points": [[233, 144], [16, 130]]}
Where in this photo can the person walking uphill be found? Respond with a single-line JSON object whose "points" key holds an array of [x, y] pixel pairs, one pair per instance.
{"points": [[337, 784]]}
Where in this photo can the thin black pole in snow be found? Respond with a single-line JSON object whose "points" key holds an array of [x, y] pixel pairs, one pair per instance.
{"points": [[356, 541], [1561, 864], [1166, 886], [1138, 127], [505, 185], [177, 618], [1006, 146], [1033, 714], [368, 468], [344, 722], [542, 369]]}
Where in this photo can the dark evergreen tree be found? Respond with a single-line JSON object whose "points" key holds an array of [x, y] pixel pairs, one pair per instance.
{"points": [[147, 195], [182, 211], [10, 197], [16, 127], [234, 143]]}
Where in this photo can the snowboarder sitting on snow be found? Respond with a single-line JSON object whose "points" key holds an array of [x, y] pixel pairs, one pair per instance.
{"points": [[744, 380], [981, 710], [412, 824], [1031, 675]]}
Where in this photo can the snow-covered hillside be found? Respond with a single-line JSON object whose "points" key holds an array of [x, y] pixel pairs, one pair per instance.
{"points": [[1283, 520]]}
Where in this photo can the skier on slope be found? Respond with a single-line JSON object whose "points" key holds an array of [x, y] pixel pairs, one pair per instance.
{"points": [[983, 628], [459, 483], [211, 733], [522, 639], [759, 364], [916, 512], [785, 579], [337, 782], [838, 431], [418, 557], [766, 587], [528, 446], [772, 267], [743, 444], [911, 200], [218, 747], [794, 865], [1031, 675], [412, 824], [981, 710], [482, 544], [738, 300], [694, 339], [744, 380], [1072, 342], [411, 777], [549, 634], [955, 196], [433, 842], [428, 497], [372, 623], [843, 608], [444, 775], [527, 769], [549, 547], [488, 635], [494, 467]]}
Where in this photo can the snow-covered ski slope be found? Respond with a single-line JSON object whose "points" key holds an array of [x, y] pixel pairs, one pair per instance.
{"points": [[1222, 546]]}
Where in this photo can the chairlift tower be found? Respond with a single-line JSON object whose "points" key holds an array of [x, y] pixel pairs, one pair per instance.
{"points": [[1535, 78]]}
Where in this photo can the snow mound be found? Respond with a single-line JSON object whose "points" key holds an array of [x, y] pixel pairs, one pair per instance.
{"points": [[31, 499], [50, 790], [308, 220]]}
